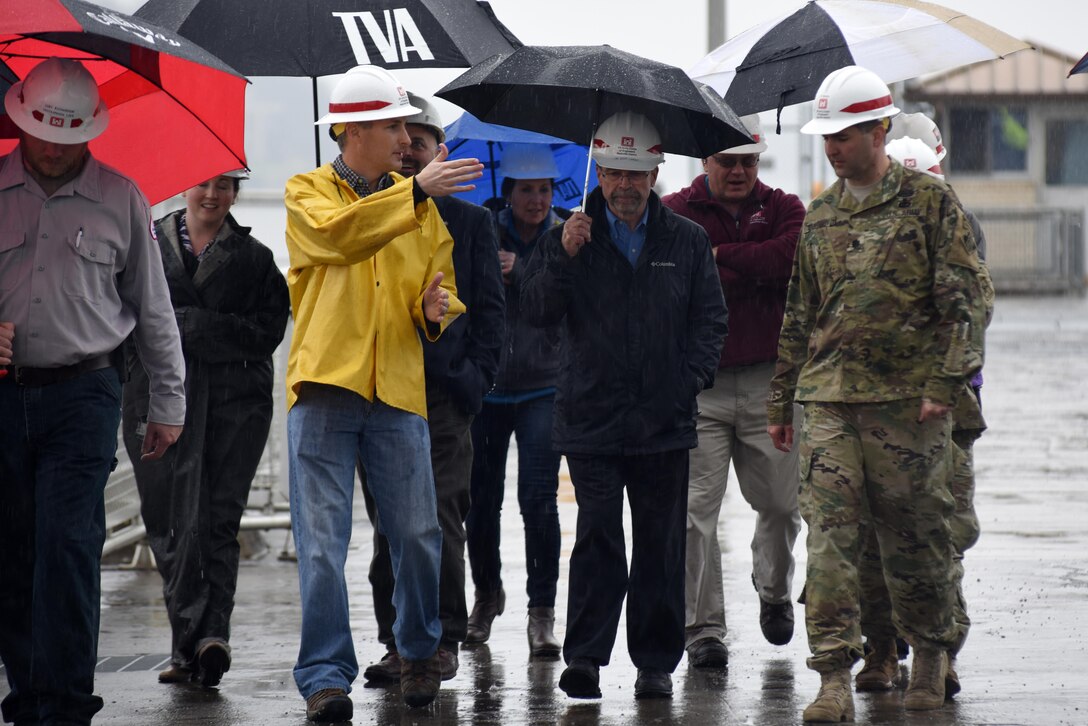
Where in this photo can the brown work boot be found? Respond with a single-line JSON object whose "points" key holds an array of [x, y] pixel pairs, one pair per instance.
{"points": [[542, 641], [175, 673], [420, 680], [951, 679], [881, 669], [329, 705], [927, 674], [385, 672], [487, 606], [835, 702]]}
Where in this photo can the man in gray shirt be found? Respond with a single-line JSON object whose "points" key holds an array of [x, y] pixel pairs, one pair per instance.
{"points": [[79, 272]]}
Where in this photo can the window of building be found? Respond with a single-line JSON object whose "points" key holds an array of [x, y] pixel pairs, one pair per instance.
{"points": [[988, 139], [1067, 152]]}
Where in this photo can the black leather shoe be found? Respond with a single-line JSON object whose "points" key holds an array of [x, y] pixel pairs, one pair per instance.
{"points": [[385, 672], [581, 679], [708, 653], [653, 683], [776, 621], [213, 660]]}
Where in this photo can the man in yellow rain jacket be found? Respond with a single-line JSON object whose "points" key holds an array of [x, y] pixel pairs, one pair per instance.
{"points": [[370, 263]]}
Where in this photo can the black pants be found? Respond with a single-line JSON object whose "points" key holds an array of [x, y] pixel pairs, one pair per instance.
{"points": [[657, 489], [451, 459]]}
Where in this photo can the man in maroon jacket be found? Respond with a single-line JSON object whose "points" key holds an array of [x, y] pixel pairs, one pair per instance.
{"points": [[754, 230]]}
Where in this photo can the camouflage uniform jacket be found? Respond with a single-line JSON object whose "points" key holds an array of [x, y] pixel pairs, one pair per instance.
{"points": [[883, 300]]}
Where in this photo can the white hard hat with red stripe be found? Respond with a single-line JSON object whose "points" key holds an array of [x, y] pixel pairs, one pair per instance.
{"points": [[915, 154], [921, 127], [58, 102], [752, 126], [847, 97], [629, 142], [367, 93]]}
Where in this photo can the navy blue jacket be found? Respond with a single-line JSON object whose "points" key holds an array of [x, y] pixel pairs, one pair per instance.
{"points": [[464, 361], [639, 343]]}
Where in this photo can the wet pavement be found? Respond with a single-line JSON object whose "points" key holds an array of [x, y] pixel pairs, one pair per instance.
{"points": [[1027, 588]]}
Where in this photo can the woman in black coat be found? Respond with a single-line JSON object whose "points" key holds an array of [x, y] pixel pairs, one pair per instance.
{"points": [[231, 305]]}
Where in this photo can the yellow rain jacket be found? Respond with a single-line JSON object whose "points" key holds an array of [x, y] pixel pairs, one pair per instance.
{"points": [[359, 268]]}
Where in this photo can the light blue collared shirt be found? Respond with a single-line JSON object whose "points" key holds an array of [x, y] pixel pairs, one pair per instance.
{"points": [[628, 241]]}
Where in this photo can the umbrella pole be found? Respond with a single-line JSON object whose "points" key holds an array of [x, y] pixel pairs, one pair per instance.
{"points": [[589, 150], [317, 129], [491, 160]]}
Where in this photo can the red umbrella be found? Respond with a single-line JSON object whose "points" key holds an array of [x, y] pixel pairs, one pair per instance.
{"points": [[176, 112]]}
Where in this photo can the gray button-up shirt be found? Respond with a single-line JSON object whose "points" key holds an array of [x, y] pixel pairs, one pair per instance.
{"points": [[80, 270]]}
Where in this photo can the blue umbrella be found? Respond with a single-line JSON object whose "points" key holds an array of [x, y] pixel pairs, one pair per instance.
{"points": [[469, 137]]}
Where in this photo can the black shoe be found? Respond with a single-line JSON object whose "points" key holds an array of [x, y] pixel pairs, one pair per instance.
{"points": [[708, 653], [653, 683], [447, 659], [581, 679], [776, 620], [385, 672], [542, 641], [213, 660], [328, 705]]}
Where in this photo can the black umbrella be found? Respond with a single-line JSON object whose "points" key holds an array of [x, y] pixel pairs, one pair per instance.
{"points": [[566, 91], [315, 38]]}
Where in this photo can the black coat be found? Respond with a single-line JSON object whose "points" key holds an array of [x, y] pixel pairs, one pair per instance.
{"points": [[530, 354], [232, 314], [464, 361], [640, 343]]}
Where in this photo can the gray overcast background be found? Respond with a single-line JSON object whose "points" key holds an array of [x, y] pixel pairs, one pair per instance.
{"points": [[279, 133]]}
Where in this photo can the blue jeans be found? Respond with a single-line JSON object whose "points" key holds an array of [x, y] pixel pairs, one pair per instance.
{"points": [[57, 447], [328, 429], [538, 482]]}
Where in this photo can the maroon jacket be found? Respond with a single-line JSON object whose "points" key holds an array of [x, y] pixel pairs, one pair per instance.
{"points": [[754, 253]]}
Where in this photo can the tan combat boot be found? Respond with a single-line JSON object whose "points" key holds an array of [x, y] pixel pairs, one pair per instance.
{"points": [[927, 674], [881, 669], [835, 702]]}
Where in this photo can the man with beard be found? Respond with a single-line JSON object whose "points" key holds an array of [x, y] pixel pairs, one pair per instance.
{"points": [[635, 288]]}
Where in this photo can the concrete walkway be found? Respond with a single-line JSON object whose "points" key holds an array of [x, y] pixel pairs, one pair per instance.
{"points": [[1027, 585]]}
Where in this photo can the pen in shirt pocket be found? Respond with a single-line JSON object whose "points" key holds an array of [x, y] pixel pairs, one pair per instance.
{"points": [[79, 237]]}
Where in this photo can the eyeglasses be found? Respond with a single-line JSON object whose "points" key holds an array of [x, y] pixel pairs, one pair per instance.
{"points": [[728, 161], [615, 175]]}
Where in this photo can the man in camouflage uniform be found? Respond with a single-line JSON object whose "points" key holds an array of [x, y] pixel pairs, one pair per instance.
{"points": [[920, 146], [875, 344]]}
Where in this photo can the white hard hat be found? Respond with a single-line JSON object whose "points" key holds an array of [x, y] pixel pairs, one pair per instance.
{"points": [[367, 93], [847, 97], [58, 102], [921, 127], [427, 116], [242, 173], [751, 125], [627, 141], [528, 161], [915, 154]]}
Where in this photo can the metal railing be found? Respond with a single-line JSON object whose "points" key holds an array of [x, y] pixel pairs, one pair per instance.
{"points": [[268, 506], [1035, 250]]}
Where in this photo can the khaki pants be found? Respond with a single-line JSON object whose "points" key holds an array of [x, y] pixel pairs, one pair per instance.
{"points": [[732, 426]]}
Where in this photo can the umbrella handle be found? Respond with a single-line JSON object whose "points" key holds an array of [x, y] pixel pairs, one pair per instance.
{"points": [[585, 184]]}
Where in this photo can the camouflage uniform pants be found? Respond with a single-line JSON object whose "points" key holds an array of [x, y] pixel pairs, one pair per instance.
{"points": [[876, 607], [873, 462]]}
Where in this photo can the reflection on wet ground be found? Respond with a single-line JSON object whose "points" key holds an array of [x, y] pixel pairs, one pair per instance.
{"points": [[1027, 585]]}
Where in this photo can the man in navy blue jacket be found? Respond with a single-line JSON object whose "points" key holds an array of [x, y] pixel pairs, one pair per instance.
{"points": [[460, 368], [637, 291]]}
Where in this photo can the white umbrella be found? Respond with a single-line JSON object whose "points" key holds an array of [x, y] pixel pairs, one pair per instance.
{"points": [[783, 61]]}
